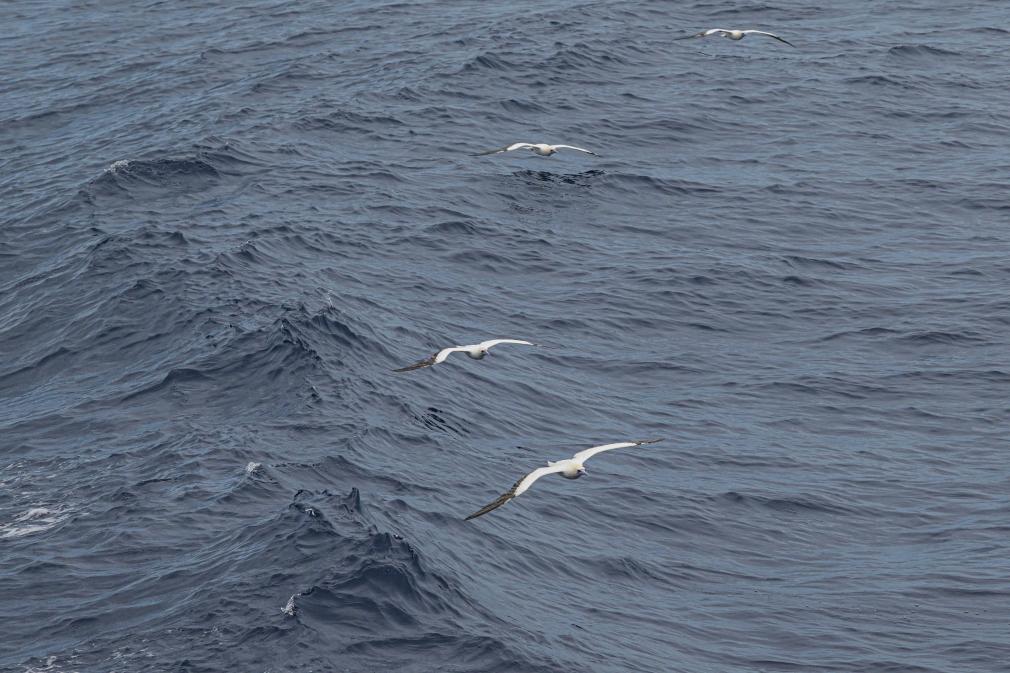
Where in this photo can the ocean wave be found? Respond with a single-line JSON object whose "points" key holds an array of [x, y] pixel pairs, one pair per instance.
{"points": [[920, 51], [125, 175], [32, 521], [881, 81], [224, 228], [798, 504], [939, 337]]}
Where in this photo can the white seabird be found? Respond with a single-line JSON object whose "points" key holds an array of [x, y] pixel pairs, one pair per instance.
{"points": [[735, 35], [570, 468], [541, 149], [476, 351]]}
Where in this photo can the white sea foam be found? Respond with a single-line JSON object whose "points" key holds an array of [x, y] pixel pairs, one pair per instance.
{"points": [[52, 665], [289, 609], [252, 467], [34, 520], [14, 473]]}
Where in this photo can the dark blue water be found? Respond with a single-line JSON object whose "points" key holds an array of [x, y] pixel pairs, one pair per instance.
{"points": [[222, 227]]}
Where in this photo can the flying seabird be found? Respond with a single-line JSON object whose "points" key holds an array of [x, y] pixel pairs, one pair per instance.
{"points": [[570, 468], [540, 149], [735, 35], [476, 351]]}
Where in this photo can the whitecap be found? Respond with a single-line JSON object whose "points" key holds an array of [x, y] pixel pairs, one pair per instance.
{"points": [[34, 520], [52, 666]]}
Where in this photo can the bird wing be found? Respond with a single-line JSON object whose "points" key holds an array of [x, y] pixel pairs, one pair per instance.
{"points": [[446, 352], [578, 149], [507, 148], [583, 456], [517, 489], [435, 359], [714, 31], [772, 35], [418, 365], [495, 342]]}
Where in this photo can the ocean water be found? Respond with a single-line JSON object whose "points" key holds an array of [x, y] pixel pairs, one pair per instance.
{"points": [[223, 226]]}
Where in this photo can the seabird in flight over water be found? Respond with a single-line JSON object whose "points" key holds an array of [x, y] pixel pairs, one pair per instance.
{"points": [[476, 351], [540, 149], [570, 468], [735, 35]]}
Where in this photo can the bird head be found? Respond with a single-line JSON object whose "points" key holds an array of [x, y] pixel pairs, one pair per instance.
{"points": [[582, 470]]}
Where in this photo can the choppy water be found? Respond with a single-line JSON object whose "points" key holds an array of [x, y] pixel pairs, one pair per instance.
{"points": [[222, 227]]}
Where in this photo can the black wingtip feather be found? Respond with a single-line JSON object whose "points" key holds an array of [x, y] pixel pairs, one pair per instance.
{"points": [[490, 507], [501, 500]]}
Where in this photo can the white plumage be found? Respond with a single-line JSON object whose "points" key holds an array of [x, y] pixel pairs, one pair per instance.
{"points": [[540, 149], [475, 351], [734, 34], [570, 468]]}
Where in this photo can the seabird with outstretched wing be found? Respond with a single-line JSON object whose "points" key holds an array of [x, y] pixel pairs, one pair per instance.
{"points": [[475, 351], [540, 149], [734, 34], [570, 468]]}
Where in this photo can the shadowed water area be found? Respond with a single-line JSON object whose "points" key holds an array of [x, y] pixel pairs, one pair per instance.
{"points": [[223, 226]]}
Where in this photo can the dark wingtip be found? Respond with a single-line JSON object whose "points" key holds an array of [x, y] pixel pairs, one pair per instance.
{"points": [[492, 506], [417, 365], [650, 441]]}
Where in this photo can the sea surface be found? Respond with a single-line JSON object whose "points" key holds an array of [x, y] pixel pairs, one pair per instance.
{"points": [[224, 224]]}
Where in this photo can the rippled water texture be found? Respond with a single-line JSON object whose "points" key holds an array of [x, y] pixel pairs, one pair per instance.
{"points": [[223, 225]]}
